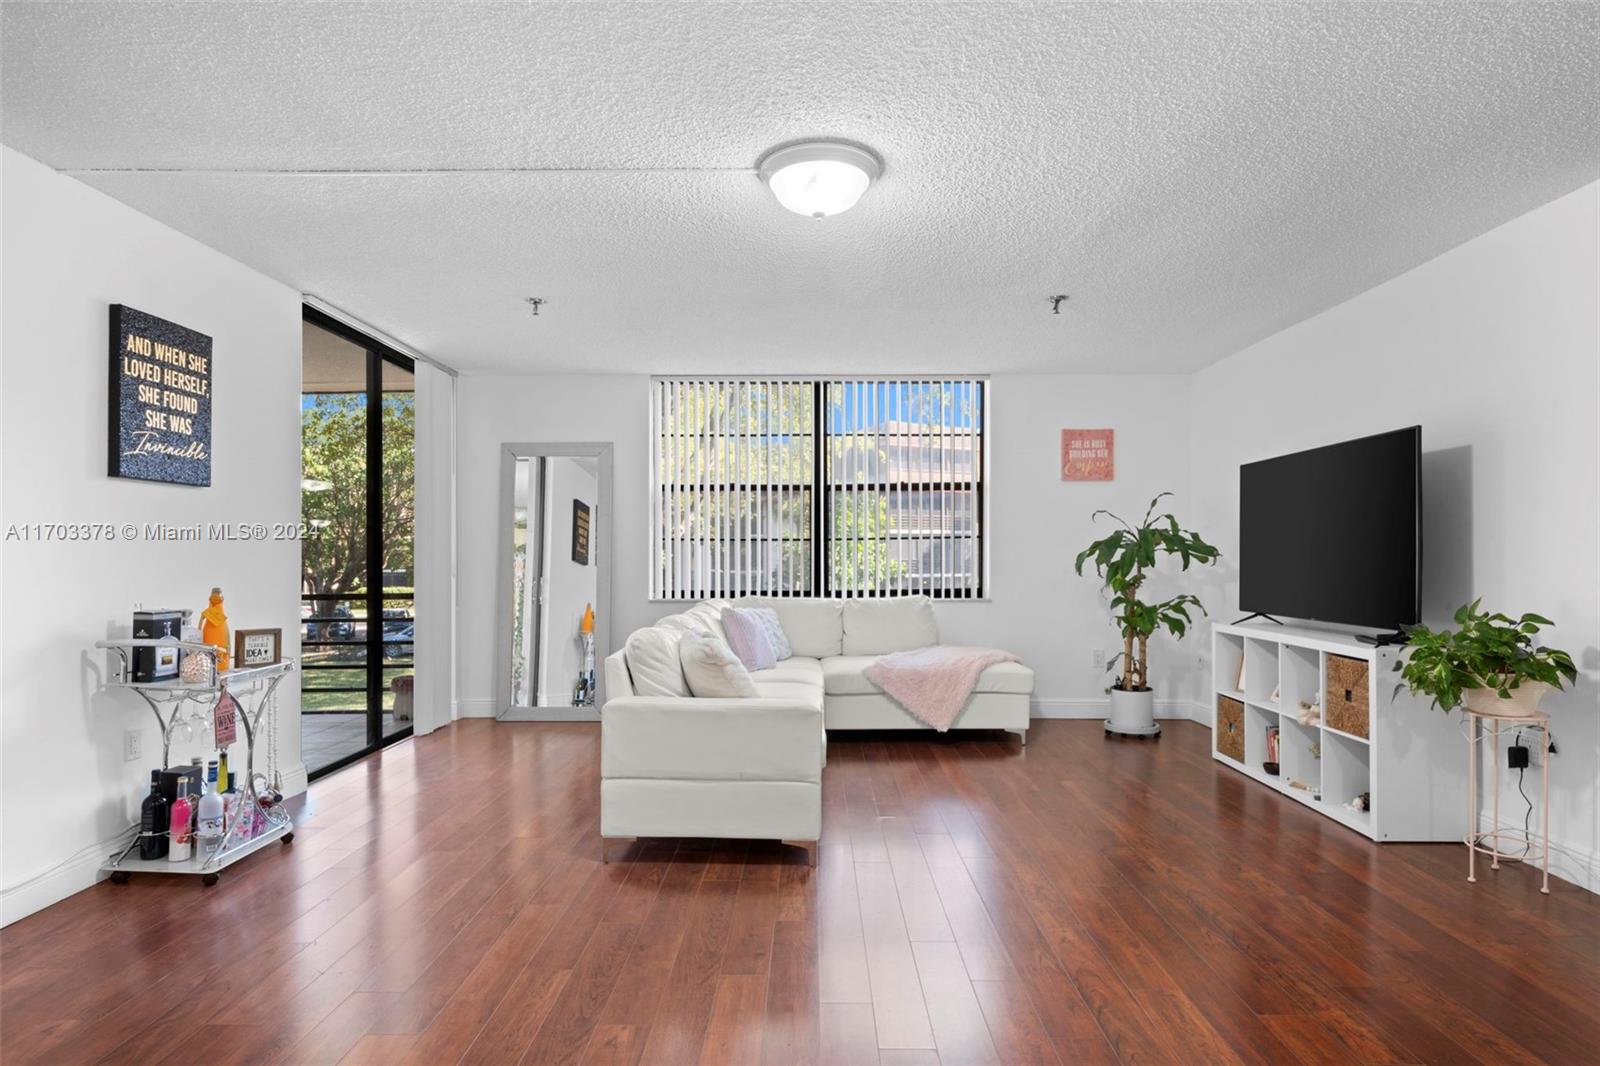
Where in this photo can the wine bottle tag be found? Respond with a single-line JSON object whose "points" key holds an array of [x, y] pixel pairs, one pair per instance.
{"points": [[225, 719]]}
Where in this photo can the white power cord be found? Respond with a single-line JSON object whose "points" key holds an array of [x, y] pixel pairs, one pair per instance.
{"points": [[76, 857]]}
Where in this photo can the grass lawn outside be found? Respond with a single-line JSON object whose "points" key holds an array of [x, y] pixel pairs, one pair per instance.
{"points": [[313, 701]]}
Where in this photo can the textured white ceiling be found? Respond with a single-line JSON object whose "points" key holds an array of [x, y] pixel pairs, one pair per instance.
{"points": [[1195, 175]]}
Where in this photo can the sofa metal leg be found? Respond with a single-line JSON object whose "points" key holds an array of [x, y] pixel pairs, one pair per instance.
{"points": [[605, 846], [809, 845]]}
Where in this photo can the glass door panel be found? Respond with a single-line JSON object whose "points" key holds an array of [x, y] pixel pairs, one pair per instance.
{"points": [[397, 647], [357, 564]]}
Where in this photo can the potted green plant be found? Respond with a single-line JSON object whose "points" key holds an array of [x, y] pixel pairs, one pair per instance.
{"points": [[1123, 560], [1491, 663]]}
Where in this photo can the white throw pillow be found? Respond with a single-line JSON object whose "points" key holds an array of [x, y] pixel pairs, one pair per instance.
{"points": [[653, 662], [712, 670], [708, 616], [748, 638], [681, 623], [768, 620], [813, 629]]}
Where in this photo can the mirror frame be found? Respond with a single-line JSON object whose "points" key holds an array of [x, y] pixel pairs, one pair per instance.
{"points": [[601, 452]]}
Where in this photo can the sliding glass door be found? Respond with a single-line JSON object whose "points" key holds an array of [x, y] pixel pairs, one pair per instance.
{"points": [[358, 496]]}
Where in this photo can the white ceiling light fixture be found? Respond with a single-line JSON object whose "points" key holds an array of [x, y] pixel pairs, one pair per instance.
{"points": [[819, 178]]}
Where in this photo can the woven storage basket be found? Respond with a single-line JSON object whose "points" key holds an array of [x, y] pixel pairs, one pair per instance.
{"points": [[1347, 695], [1230, 728]]}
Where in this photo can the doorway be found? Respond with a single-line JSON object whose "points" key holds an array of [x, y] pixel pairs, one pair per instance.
{"points": [[358, 564]]}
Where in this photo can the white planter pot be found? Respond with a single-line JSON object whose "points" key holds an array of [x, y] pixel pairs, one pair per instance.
{"points": [[1522, 703], [1133, 714]]}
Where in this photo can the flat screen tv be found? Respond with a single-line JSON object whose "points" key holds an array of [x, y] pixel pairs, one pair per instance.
{"points": [[1334, 534]]}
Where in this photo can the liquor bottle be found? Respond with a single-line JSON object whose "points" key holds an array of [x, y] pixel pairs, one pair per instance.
{"points": [[155, 820], [208, 817], [222, 770], [178, 850], [214, 628]]}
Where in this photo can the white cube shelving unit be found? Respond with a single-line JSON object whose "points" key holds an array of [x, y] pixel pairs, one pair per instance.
{"points": [[1412, 763]]}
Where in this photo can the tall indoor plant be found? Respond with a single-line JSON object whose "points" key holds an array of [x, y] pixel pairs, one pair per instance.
{"points": [[1491, 663], [1123, 559]]}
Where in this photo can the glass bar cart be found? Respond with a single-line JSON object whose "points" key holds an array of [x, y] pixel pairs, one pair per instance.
{"points": [[254, 822]]}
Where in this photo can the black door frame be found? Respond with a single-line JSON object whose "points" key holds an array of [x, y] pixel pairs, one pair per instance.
{"points": [[378, 353]]}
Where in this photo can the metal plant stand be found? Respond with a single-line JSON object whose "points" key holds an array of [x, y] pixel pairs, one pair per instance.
{"points": [[252, 824], [1488, 842]]}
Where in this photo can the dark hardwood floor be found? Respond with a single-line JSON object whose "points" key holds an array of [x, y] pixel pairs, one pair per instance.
{"points": [[1080, 900]]}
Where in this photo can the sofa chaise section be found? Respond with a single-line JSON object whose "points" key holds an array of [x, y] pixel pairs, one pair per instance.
{"points": [[673, 765]]}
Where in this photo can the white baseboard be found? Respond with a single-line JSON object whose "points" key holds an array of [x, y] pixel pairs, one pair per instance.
{"points": [[75, 874], [476, 708], [84, 869], [1092, 707], [1578, 865], [552, 714], [295, 780]]}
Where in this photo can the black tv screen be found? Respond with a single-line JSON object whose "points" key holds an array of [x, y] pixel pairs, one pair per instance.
{"points": [[1335, 534]]}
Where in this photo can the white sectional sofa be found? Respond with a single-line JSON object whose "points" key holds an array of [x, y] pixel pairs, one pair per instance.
{"points": [[673, 765]]}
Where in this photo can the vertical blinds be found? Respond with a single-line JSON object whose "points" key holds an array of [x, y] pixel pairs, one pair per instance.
{"points": [[837, 487]]}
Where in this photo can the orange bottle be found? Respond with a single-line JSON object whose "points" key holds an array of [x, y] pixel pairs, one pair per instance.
{"points": [[214, 628]]}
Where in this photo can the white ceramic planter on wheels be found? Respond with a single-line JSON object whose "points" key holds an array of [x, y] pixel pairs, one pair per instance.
{"points": [[1133, 714]]}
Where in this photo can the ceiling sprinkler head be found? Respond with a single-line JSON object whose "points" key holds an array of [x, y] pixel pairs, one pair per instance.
{"points": [[535, 302], [1056, 302]]}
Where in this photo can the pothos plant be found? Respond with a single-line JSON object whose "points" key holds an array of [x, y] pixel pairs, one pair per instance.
{"points": [[1123, 560], [1491, 651]]}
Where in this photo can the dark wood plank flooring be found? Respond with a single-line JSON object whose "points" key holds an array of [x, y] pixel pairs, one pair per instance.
{"points": [[1080, 900]]}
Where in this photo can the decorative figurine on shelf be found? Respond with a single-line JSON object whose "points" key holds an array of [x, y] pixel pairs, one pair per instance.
{"points": [[214, 628], [196, 668], [1312, 790], [196, 665], [1308, 713], [1362, 802]]}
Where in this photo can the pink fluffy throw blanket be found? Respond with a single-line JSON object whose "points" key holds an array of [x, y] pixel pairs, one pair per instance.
{"points": [[933, 683]]}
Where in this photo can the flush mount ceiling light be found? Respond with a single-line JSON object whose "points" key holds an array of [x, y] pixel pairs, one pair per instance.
{"points": [[819, 178]]}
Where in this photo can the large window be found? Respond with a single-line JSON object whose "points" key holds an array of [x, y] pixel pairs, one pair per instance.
{"points": [[837, 487]]}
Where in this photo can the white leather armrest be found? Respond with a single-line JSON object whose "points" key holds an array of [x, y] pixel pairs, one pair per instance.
{"points": [[760, 706], [761, 739]]}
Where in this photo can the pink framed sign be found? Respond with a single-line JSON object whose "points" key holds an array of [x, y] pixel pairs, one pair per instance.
{"points": [[1088, 454]]}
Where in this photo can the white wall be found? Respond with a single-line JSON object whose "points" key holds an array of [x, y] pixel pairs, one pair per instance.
{"points": [[1494, 348], [434, 695], [569, 586], [1037, 607], [1038, 524], [68, 253]]}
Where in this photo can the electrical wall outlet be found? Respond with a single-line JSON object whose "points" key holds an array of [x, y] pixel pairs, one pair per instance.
{"points": [[132, 745], [1097, 659]]}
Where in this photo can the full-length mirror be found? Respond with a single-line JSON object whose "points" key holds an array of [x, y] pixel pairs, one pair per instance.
{"points": [[555, 578]]}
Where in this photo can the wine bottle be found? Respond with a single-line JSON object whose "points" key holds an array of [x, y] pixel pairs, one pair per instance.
{"points": [[198, 773], [155, 820]]}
